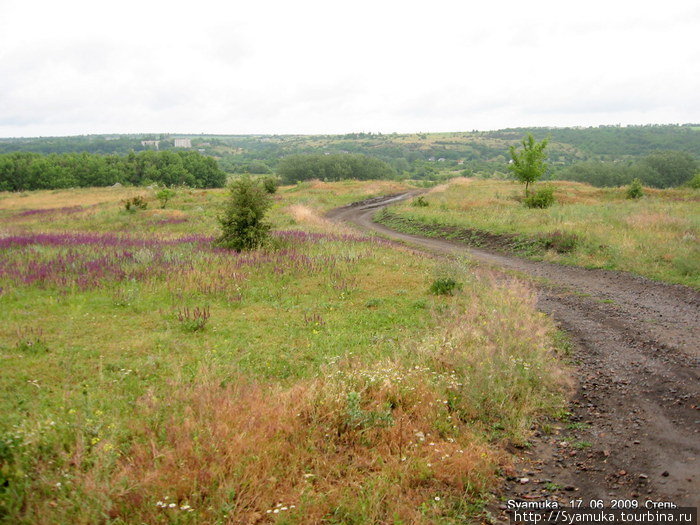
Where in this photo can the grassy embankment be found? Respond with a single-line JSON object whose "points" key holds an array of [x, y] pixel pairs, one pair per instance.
{"points": [[323, 383], [655, 236]]}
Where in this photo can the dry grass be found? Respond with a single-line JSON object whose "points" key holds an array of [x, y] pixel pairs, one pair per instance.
{"points": [[656, 220], [252, 449], [457, 181], [511, 353], [307, 216], [165, 214], [62, 198]]}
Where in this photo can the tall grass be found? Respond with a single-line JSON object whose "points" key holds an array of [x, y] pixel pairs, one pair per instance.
{"points": [[655, 236]]}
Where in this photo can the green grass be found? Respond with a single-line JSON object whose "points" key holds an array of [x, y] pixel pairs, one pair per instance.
{"points": [[326, 376], [655, 236]]}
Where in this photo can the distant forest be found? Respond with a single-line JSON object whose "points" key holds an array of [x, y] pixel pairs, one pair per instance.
{"points": [[604, 155], [34, 171]]}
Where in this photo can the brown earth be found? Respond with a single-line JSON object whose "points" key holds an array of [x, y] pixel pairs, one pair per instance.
{"points": [[634, 429]]}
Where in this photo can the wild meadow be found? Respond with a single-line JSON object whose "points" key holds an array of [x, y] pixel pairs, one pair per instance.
{"points": [[149, 377], [656, 236]]}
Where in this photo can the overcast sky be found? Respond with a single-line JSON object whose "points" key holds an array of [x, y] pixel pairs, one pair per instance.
{"points": [[306, 66]]}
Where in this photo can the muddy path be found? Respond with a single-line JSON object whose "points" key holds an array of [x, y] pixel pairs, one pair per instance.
{"points": [[634, 429]]}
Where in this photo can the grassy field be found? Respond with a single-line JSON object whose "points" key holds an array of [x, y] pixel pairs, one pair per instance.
{"points": [[655, 236], [148, 377]]}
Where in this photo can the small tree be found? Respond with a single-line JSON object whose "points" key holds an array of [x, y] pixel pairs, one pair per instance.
{"points": [[242, 224], [529, 165], [164, 195], [635, 191]]}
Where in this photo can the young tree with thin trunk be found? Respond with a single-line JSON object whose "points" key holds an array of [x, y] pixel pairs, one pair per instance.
{"points": [[529, 164]]}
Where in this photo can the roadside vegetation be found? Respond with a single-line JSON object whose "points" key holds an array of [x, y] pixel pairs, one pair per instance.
{"points": [[150, 376], [654, 234]]}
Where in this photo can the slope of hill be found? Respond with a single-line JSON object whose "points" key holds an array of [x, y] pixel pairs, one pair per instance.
{"points": [[419, 155]]}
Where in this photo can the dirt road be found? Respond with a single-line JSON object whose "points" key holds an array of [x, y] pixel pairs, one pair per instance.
{"points": [[634, 431]]}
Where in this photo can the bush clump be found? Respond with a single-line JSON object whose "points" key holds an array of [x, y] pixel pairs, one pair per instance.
{"points": [[242, 224], [694, 182], [420, 202], [444, 286], [635, 190], [561, 242], [542, 198], [135, 203], [270, 184]]}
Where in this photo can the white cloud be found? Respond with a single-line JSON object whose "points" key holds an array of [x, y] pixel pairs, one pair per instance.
{"points": [[310, 66]]}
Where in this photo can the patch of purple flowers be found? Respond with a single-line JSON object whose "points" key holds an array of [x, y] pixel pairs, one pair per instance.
{"points": [[100, 239], [66, 210], [173, 220], [87, 260], [302, 236]]}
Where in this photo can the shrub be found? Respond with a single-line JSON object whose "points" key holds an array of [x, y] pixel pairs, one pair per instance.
{"points": [[164, 195], [542, 198], [242, 224], [444, 286], [135, 203], [561, 242], [635, 190], [270, 184], [421, 202], [694, 182]]}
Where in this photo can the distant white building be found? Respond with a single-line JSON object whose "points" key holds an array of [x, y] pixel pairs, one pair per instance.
{"points": [[150, 143], [183, 143]]}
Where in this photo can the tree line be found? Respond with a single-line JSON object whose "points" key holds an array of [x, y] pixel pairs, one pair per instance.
{"points": [[33, 171], [607, 142], [663, 169], [604, 155], [333, 167]]}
